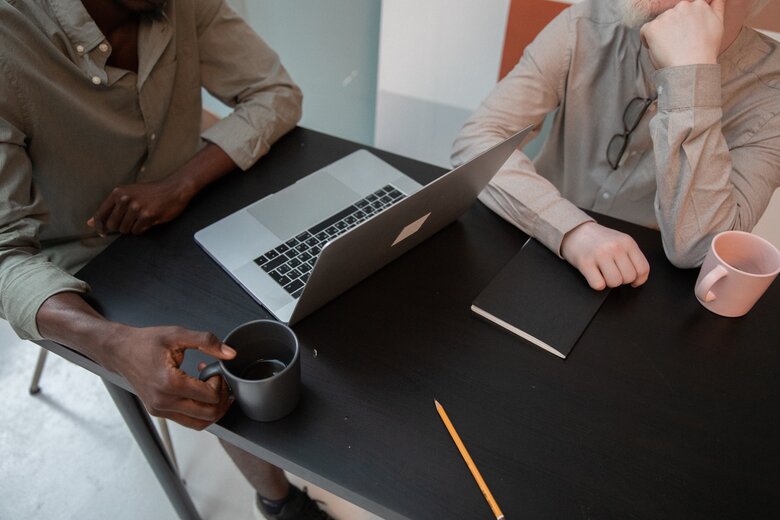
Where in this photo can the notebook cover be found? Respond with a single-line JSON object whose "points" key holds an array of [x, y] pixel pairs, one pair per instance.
{"points": [[541, 298]]}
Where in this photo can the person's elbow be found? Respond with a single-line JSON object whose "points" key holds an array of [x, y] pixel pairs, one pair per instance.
{"points": [[686, 254], [296, 99], [474, 137], [462, 146], [291, 96]]}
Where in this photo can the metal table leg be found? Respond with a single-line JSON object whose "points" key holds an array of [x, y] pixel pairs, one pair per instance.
{"points": [[141, 426]]}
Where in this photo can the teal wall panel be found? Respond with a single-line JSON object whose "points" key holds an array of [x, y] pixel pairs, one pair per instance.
{"points": [[331, 49]]}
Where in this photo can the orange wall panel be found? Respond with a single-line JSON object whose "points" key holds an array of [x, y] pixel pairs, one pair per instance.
{"points": [[526, 19]]}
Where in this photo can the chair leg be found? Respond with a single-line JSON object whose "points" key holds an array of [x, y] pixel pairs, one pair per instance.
{"points": [[163, 426], [34, 388], [166, 439]]}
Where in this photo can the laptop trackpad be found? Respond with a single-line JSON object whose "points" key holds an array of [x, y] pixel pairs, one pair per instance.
{"points": [[302, 205]]}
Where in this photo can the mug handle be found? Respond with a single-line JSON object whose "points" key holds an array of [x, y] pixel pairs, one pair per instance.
{"points": [[210, 370], [703, 291]]}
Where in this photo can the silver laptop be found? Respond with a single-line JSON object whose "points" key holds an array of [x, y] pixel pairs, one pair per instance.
{"points": [[299, 248]]}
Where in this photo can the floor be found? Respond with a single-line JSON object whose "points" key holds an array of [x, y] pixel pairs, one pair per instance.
{"points": [[66, 453]]}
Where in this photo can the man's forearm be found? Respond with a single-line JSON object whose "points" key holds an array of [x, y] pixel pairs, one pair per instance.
{"points": [[696, 196], [148, 358], [205, 167], [67, 319]]}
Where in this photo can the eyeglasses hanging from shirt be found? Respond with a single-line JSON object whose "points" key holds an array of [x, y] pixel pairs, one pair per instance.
{"points": [[632, 115]]}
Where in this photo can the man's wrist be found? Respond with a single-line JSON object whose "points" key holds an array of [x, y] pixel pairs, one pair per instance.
{"points": [[185, 185], [202, 169], [105, 345], [67, 319]]}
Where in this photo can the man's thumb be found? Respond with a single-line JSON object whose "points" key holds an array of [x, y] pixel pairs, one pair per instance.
{"points": [[226, 351], [211, 345]]}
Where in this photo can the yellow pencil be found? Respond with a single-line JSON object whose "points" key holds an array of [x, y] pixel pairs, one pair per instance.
{"points": [[470, 463]]}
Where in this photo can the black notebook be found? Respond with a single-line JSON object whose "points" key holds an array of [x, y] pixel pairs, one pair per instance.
{"points": [[541, 298]]}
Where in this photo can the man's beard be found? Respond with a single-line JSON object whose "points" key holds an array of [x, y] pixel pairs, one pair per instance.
{"points": [[636, 13]]}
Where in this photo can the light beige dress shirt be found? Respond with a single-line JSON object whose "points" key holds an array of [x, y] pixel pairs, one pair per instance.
{"points": [[704, 158], [72, 128]]}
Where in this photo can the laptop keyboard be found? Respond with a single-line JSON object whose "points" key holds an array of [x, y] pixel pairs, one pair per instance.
{"points": [[290, 264]]}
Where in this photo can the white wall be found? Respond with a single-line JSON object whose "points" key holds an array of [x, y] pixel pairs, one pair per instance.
{"points": [[438, 60], [769, 225]]}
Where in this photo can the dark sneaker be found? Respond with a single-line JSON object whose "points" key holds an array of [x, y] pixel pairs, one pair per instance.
{"points": [[298, 507]]}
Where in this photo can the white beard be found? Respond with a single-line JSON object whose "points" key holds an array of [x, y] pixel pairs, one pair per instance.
{"points": [[636, 13]]}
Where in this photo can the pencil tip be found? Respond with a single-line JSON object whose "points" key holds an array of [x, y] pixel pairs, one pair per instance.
{"points": [[436, 402]]}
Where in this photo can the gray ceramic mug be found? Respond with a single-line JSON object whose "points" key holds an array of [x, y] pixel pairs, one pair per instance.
{"points": [[265, 375]]}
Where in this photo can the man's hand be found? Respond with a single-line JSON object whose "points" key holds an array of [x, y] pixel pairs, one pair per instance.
{"points": [[607, 258], [134, 208], [690, 33], [149, 359]]}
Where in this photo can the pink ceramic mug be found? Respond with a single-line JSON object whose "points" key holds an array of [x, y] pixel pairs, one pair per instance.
{"points": [[737, 270]]}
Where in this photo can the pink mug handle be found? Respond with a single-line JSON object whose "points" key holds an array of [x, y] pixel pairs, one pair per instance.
{"points": [[703, 287]]}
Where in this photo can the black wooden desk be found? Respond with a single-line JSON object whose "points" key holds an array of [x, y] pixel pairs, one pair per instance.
{"points": [[663, 410]]}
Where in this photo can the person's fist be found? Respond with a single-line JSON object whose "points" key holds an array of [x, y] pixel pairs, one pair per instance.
{"points": [[690, 33], [605, 257]]}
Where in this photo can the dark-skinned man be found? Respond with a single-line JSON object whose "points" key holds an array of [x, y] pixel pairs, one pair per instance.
{"points": [[100, 108]]}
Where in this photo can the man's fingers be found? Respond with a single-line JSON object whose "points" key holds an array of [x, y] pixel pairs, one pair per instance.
{"points": [[101, 215], [209, 392], [626, 268], [116, 217], [129, 220], [610, 272], [209, 344], [178, 339], [144, 222], [204, 401], [593, 276], [194, 409], [640, 264]]}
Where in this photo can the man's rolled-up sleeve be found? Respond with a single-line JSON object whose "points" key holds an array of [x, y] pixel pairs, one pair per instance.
{"points": [[27, 277], [534, 88], [704, 186], [242, 71]]}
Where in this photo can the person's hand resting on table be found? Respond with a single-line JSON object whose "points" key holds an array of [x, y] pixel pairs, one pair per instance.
{"points": [[134, 208], [605, 257], [149, 358]]}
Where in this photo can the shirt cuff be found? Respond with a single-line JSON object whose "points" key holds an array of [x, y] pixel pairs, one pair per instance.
{"points": [[238, 139], [25, 294], [552, 224], [688, 86]]}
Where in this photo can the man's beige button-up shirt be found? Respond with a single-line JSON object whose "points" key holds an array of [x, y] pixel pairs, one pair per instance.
{"points": [[704, 158]]}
